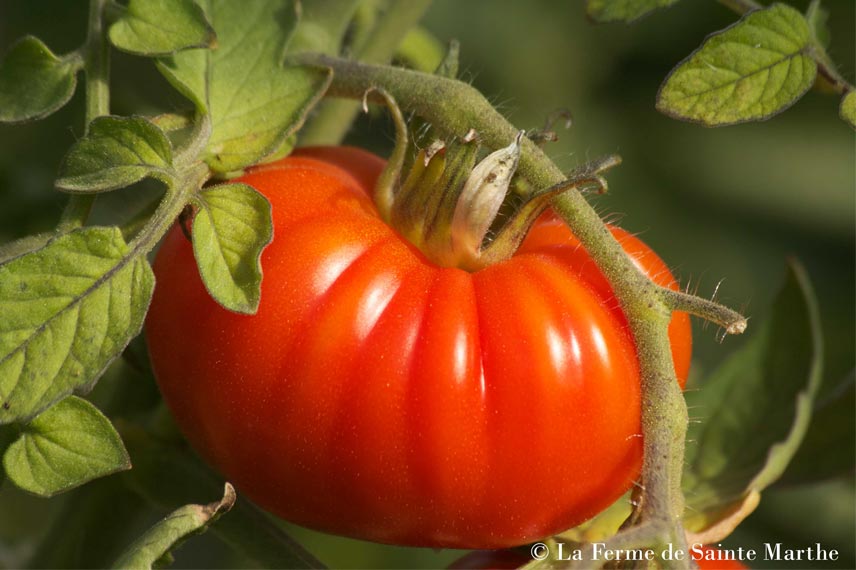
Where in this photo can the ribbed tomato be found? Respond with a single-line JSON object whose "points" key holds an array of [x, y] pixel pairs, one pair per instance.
{"points": [[378, 396]]}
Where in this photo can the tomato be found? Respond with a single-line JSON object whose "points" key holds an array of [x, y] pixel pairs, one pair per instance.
{"points": [[378, 396]]}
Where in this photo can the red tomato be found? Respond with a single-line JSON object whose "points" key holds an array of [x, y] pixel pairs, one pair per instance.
{"points": [[378, 396]]}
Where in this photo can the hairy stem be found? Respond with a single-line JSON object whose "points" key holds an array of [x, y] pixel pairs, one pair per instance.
{"points": [[97, 63], [830, 73], [334, 118], [97, 69], [729, 319], [176, 198], [453, 107]]}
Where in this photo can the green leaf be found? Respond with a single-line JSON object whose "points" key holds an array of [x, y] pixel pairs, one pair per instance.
{"points": [[755, 408], [8, 434], [253, 101], [421, 51], [157, 543], [171, 122], [116, 152], [848, 108], [750, 71], [448, 67], [820, 457], [818, 17], [187, 72], [230, 230], [323, 25], [24, 245], [167, 475], [91, 526], [161, 27], [34, 82], [603, 525], [285, 148], [68, 310], [623, 10], [65, 446]]}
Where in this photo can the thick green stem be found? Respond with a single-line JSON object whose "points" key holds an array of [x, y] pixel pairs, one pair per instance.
{"points": [[453, 107], [97, 69], [176, 198], [333, 119], [97, 63]]}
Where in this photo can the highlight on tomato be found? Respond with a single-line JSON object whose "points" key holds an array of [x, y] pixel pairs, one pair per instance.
{"points": [[383, 395]]}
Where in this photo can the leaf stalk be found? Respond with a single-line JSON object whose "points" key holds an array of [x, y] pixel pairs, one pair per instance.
{"points": [[334, 118], [97, 70]]}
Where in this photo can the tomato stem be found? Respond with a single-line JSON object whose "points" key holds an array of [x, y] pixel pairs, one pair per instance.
{"points": [[97, 70], [333, 119], [387, 184], [453, 108], [177, 196]]}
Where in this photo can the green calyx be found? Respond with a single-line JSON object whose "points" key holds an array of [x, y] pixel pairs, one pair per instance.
{"points": [[454, 207], [448, 201]]}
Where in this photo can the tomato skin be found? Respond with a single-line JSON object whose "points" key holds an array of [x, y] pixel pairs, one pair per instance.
{"points": [[378, 396]]}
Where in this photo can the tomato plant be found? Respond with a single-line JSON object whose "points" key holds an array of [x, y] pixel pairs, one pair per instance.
{"points": [[377, 395], [450, 346]]}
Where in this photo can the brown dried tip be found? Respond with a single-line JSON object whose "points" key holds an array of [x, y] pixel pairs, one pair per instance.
{"points": [[737, 327]]}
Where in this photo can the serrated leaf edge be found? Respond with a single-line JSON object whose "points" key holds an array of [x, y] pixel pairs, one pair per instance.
{"points": [[301, 114], [675, 115], [251, 301], [124, 465], [77, 184], [210, 41], [74, 64], [132, 256], [644, 14]]}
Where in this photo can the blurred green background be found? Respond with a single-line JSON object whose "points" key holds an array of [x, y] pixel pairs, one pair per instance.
{"points": [[729, 203]]}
